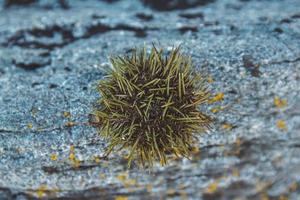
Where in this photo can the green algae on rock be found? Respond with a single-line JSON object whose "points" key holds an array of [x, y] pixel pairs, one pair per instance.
{"points": [[150, 104]]}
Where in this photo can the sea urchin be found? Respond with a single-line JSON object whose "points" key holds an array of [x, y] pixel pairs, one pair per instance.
{"points": [[150, 104]]}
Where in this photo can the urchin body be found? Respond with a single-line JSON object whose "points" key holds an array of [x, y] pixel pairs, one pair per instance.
{"points": [[150, 104]]}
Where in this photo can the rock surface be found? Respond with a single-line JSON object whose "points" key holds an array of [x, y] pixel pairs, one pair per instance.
{"points": [[54, 52]]}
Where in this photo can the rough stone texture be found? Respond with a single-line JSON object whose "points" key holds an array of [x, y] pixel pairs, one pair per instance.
{"points": [[54, 52]]}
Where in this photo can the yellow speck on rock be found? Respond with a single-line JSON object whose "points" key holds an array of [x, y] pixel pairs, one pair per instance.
{"points": [[41, 191], [70, 124], [282, 197], [72, 148], [183, 194], [227, 126], [280, 103], [195, 150], [130, 182], [238, 198], [72, 156], [261, 186], [235, 172], [210, 79], [211, 188], [66, 114], [217, 109], [29, 125], [149, 188], [293, 187], [264, 197], [102, 176], [171, 192], [125, 180], [53, 157], [122, 177], [76, 163], [121, 198], [217, 97], [238, 141], [281, 125], [96, 159]]}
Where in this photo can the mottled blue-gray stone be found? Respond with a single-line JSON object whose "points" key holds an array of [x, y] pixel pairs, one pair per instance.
{"points": [[52, 53]]}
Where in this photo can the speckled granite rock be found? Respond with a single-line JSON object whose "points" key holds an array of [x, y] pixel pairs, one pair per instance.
{"points": [[54, 52]]}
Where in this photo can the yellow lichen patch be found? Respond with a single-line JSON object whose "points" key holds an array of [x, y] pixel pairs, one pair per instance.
{"points": [[122, 176], [70, 124], [171, 192], [130, 182], [183, 194], [182, 186], [195, 150], [238, 198], [96, 159], [211, 188], [217, 109], [102, 176], [72, 148], [29, 125], [121, 198], [281, 125], [227, 126], [217, 97], [238, 142], [237, 147], [53, 156], [264, 197], [41, 191], [72, 157], [261, 186], [280, 103], [293, 187], [66, 114], [235, 172], [149, 188], [125, 180], [76, 163], [283, 197], [210, 79]]}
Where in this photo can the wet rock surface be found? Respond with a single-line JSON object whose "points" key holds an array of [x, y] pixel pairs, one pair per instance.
{"points": [[54, 52]]}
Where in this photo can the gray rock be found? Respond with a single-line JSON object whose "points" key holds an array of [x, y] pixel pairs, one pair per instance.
{"points": [[54, 52]]}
